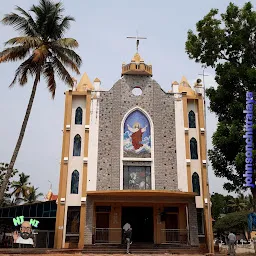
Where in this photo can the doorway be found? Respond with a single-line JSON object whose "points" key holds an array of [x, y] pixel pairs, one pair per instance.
{"points": [[141, 220], [171, 225], [102, 227]]}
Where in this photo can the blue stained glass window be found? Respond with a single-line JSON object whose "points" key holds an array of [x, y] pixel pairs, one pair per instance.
{"points": [[191, 119], [79, 116], [77, 145], [74, 182], [196, 183], [193, 149]]}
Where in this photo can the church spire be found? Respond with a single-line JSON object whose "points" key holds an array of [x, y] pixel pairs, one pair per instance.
{"points": [[138, 38], [85, 84], [137, 65]]}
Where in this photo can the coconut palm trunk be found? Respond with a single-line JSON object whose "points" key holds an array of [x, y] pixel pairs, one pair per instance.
{"points": [[20, 139]]}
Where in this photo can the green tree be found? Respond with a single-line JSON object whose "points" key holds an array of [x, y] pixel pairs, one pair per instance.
{"points": [[222, 205], [235, 222], [7, 194], [226, 42], [250, 203], [227, 208], [46, 53], [21, 187], [238, 203], [218, 205], [32, 195]]}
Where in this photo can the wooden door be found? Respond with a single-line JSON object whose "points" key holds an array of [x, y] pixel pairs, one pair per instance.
{"points": [[171, 226], [102, 227]]}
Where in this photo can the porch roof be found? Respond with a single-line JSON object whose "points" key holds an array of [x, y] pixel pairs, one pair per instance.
{"points": [[145, 193]]}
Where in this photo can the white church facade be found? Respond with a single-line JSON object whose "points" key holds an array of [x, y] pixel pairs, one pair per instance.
{"points": [[133, 153]]}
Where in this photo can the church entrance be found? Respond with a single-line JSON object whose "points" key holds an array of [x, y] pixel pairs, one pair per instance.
{"points": [[171, 225], [141, 220]]}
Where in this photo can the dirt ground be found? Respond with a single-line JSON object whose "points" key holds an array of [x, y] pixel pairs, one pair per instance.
{"points": [[91, 254], [88, 254], [79, 254]]}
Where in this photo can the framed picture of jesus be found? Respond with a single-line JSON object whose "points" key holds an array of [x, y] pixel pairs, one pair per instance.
{"points": [[137, 136]]}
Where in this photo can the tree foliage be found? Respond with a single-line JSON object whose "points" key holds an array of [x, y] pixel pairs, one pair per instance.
{"points": [[32, 195], [21, 187], [227, 42], [235, 222], [238, 203], [220, 205], [7, 194], [18, 191], [41, 44]]}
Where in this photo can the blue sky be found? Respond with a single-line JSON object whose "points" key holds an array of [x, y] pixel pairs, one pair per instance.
{"points": [[101, 29]]}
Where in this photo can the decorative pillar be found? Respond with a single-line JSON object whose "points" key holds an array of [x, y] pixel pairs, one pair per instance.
{"points": [[60, 215], [206, 194], [88, 231], [192, 218], [185, 114], [85, 167]]}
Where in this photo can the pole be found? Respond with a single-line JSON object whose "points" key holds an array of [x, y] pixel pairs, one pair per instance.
{"points": [[208, 192]]}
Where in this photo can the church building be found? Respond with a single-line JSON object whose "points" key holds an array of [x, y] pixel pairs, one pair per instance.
{"points": [[136, 154]]}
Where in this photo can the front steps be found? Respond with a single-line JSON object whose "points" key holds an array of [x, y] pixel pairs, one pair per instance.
{"points": [[141, 249], [109, 249]]}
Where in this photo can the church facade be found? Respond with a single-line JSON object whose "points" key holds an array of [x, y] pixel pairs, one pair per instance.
{"points": [[136, 154]]}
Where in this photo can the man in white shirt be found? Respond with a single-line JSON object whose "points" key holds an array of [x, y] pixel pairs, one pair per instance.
{"points": [[25, 235], [126, 226], [127, 235], [231, 243]]}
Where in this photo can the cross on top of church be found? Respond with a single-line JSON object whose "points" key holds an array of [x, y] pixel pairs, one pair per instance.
{"points": [[137, 40]]}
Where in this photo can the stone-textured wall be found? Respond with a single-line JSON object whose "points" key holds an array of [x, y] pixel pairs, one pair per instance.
{"points": [[114, 104], [88, 231], [192, 219]]}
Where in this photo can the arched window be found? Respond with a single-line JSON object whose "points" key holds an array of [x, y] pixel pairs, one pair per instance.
{"points": [[191, 119], [79, 116], [196, 183], [74, 182], [137, 135], [77, 145], [193, 149]]}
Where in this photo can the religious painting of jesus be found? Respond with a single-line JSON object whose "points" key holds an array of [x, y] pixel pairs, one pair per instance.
{"points": [[137, 138]]}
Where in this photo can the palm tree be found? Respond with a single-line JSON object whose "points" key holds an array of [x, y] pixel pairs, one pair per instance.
{"points": [[238, 203], [32, 195], [21, 187], [250, 203], [46, 53]]}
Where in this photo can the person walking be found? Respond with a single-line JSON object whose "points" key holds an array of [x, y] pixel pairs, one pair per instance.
{"points": [[231, 243], [127, 236]]}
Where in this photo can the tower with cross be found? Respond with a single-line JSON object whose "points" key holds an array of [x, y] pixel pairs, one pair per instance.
{"points": [[137, 66]]}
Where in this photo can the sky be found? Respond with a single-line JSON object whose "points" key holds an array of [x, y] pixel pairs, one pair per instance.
{"points": [[101, 29]]}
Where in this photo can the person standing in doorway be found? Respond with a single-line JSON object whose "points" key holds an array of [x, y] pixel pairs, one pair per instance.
{"points": [[127, 236], [231, 243]]}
